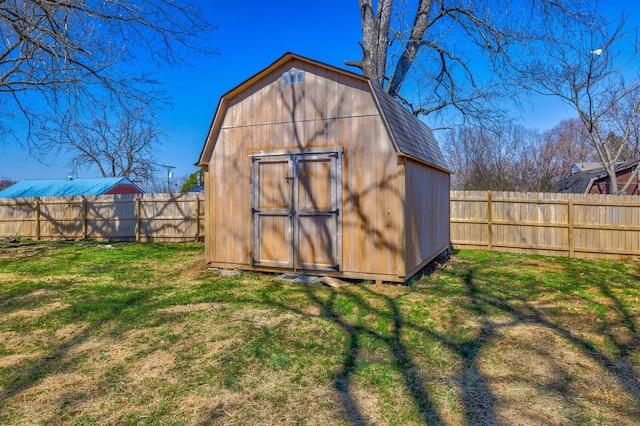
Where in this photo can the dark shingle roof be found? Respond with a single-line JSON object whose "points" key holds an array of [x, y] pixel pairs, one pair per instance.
{"points": [[414, 138], [580, 183]]}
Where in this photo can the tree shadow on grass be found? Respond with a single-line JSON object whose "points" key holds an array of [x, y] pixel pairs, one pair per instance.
{"points": [[492, 308], [524, 312], [97, 313], [402, 358], [491, 301]]}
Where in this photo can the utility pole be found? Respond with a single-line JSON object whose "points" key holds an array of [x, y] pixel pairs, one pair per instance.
{"points": [[169, 168]]}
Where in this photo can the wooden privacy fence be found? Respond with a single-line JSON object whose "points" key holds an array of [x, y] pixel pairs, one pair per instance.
{"points": [[574, 225], [135, 217]]}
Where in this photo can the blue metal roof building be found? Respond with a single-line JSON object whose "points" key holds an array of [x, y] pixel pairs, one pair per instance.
{"points": [[69, 187]]}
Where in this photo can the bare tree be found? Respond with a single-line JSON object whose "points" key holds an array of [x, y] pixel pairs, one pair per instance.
{"points": [[512, 158], [434, 61], [114, 138], [594, 74], [5, 183], [488, 159], [63, 53], [564, 145]]}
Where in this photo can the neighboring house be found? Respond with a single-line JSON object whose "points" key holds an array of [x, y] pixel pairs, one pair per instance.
{"points": [[596, 180], [584, 167], [199, 185], [196, 188], [67, 187], [310, 168]]}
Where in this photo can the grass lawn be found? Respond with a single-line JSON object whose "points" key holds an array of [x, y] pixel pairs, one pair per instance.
{"points": [[144, 334]]}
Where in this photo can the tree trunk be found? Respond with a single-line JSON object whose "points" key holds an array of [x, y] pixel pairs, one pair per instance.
{"points": [[375, 40], [420, 26]]}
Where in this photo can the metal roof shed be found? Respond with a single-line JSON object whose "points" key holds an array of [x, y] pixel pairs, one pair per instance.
{"points": [[69, 187], [310, 168]]}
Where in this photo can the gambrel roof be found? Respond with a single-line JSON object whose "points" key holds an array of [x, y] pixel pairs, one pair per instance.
{"points": [[411, 137]]}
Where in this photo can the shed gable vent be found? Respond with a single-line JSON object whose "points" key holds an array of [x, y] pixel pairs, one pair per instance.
{"points": [[293, 77]]}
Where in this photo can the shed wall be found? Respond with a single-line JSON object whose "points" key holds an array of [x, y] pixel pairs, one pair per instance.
{"points": [[427, 214], [603, 186], [328, 110], [123, 188]]}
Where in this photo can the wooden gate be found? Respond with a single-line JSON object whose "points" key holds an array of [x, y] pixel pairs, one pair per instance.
{"points": [[295, 205]]}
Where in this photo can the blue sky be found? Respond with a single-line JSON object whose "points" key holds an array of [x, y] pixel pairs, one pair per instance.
{"points": [[251, 35]]}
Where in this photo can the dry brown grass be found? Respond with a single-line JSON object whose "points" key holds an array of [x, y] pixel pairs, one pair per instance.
{"points": [[490, 339]]}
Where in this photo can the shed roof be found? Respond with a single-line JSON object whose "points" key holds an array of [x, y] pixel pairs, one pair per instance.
{"points": [[411, 137], [62, 187], [580, 183]]}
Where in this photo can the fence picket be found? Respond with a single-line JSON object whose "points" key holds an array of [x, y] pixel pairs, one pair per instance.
{"points": [[150, 217], [574, 225]]}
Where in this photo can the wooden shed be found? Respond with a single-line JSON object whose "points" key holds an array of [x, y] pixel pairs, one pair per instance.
{"points": [[310, 168]]}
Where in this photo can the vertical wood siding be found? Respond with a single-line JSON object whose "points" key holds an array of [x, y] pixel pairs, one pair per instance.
{"points": [[427, 209], [327, 110]]}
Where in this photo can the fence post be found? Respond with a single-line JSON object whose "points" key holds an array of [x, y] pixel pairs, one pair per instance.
{"points": [[197, 217], [137, 214], [85, 226], [489, 222], [37, 224], [570, 220]]}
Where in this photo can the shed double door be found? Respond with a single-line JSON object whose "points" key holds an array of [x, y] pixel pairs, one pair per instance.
{"points": [[295, 210]]}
